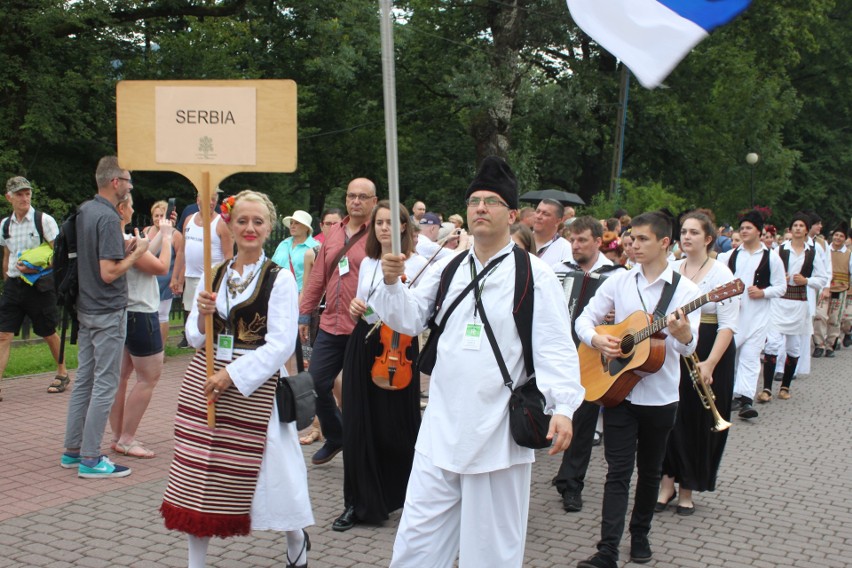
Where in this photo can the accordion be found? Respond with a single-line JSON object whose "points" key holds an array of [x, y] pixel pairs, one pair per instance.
{"points": [[579, 288]]}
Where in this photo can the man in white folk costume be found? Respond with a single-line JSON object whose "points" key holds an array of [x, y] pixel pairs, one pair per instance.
{"points": [[469, 490]]}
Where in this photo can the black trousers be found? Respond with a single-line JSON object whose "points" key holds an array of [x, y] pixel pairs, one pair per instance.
{"points": [[326, 363], [634, 435], [575, 460]]}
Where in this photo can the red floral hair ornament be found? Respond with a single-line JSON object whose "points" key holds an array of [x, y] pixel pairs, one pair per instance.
{"points": [[225, 208]]}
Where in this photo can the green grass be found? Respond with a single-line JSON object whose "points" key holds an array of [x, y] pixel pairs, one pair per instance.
{"points": [[36, 358]]}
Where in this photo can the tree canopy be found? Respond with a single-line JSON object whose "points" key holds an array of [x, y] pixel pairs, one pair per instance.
{"points": [[515, 78]]}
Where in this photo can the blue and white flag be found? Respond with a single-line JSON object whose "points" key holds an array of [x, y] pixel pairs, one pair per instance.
{"points": [[652, 36]]}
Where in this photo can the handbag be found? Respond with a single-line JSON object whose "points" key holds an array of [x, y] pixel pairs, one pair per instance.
{"points": [[295, 395], [527, 421]]}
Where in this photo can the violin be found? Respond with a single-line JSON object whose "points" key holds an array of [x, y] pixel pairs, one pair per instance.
{"points": [[392, 370]]}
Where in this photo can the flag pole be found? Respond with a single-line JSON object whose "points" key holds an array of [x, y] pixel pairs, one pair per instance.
{"points": [[621, 125], [389, 88]]}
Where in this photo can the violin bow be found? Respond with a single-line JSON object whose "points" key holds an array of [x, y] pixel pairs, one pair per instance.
{"points": [[443, 242]]}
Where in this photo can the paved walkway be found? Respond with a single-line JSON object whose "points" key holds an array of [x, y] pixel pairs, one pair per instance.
{"points": [[783, 497]]}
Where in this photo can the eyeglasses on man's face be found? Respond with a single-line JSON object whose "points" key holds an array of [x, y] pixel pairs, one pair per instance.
{"points": [[358, 196], [489, 202], [128, 180]]}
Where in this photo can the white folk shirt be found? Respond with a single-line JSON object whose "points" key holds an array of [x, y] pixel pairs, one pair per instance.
{"points": [[793, 317], [621, 292], [727, 312], [823, 256], [568, 265], [556, 250], [754, 312], [466, 425]]}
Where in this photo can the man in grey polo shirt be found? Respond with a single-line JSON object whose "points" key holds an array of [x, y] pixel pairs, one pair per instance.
{"points": [[103, 259]]}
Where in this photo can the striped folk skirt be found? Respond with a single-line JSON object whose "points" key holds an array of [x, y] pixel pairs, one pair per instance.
{"points": [[214, 472]]}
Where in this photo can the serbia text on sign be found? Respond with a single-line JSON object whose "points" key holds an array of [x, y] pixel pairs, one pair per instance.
{"points": [[193, 116], [206, 125]]}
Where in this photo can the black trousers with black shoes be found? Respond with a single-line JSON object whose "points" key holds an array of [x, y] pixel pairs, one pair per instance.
{"points": [[575, 461], [635, 435]]}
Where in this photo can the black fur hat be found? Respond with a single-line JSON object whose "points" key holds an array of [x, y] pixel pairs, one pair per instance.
{"points": [[754, 217], [495, 175], [803, 217]]}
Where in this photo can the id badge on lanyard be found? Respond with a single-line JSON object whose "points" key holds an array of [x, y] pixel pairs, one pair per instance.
{"points": [[225, 347]]}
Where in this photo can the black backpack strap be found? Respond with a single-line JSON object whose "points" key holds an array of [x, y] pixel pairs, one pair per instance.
{"points": [[666, 297], [523, 305], [446, 277], [39, 226]]}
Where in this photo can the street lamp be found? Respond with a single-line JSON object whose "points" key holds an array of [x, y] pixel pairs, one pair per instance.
{"points": [[751, 159]]}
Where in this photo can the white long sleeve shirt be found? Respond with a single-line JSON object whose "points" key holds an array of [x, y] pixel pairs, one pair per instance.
{"points": [[628, 292], [255, 367], [466, 427], [754, 313], [793, 317]]}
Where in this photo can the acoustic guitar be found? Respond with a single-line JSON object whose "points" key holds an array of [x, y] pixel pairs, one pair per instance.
{"points": [[643, 347]]}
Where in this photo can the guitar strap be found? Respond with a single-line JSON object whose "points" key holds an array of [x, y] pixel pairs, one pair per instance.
{"points": [[666, 297]]}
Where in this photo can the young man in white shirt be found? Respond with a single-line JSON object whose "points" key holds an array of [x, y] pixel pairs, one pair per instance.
{"points": [[468, 494], [636, 430], [790, 321], [762, 273]]}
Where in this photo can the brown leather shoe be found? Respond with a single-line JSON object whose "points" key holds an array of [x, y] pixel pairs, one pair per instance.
{"points": [[784, 394], [764, 396]]}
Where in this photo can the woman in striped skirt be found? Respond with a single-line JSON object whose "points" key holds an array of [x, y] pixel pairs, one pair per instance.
{"points": [[246, 473]]}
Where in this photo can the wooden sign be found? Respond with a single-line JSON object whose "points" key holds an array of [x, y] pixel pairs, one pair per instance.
{"points": [[218, 127], [207, 131]]}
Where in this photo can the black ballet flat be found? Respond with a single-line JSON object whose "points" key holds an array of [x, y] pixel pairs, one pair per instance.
{"points": [[306, 547], [685, 511], [660, 507]]}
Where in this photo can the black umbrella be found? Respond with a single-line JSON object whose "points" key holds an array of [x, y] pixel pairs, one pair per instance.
{"points": [[563, 197]]}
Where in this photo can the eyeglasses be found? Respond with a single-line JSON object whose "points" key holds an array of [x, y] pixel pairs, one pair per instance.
{"points": [[128, 180], [489, 202], [358, 196]]}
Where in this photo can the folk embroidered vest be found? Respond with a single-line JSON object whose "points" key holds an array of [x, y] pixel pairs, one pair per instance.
{"points": [[840, 270], [248, 319]]}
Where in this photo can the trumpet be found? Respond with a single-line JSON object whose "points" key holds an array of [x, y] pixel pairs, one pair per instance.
{"points": [[705, 393]]}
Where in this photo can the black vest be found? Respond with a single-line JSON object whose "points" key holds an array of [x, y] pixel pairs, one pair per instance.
{"points": [[807, 267], [248, 320], [761, 275]]}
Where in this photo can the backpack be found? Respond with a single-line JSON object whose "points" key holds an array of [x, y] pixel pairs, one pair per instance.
{"points": [[522, 309], [38, 225], [65, 276]]}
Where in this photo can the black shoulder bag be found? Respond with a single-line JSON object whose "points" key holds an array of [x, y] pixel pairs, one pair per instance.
{"points": [[527, 420], [296, 396]]}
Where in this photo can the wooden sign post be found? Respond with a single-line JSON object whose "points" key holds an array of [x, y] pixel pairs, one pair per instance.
{"points": [[207, 131]]}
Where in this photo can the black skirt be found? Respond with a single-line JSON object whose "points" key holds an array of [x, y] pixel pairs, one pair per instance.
{"points": [[694, 452], [379, 431]]}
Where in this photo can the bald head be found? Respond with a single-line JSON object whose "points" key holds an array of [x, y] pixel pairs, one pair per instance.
{"points": [[360, 199]]}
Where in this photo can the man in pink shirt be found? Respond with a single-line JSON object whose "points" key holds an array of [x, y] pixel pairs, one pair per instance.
{"points": [[335, 273]]}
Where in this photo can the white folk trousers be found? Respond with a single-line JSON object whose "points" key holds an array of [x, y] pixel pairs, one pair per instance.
{"points": [[479, 518], [748, 365]]}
